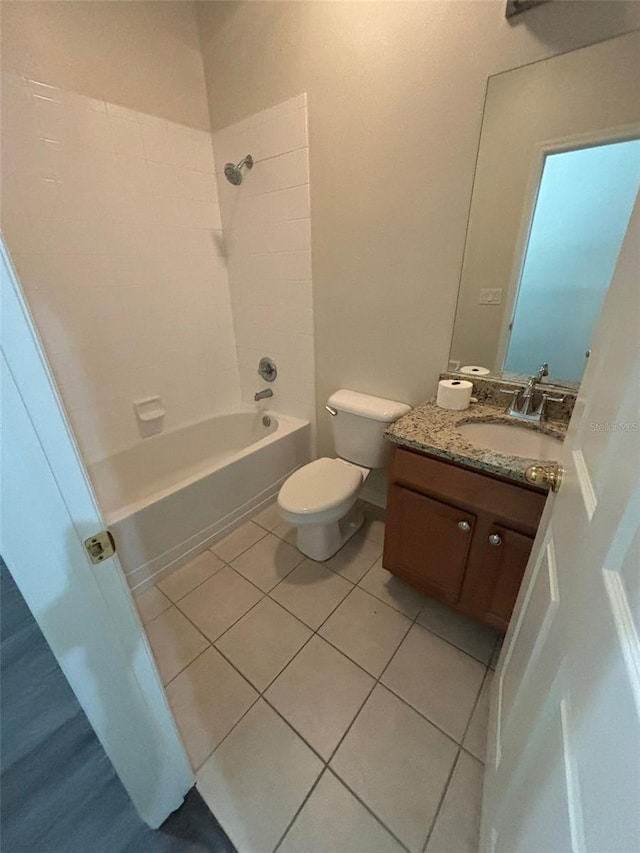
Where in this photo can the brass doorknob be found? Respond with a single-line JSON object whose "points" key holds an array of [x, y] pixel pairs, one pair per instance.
{"points": [[538, 475]]}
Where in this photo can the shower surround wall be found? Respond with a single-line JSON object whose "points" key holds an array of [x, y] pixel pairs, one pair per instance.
{"points": [[112, 220], [266, 222]]}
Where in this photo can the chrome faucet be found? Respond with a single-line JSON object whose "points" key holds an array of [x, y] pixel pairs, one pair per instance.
{"points": [[261, 395], [526, 396], [522, 401]]}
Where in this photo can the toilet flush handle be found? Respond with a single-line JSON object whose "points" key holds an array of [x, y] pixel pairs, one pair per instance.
{"points": [[333, 412]]}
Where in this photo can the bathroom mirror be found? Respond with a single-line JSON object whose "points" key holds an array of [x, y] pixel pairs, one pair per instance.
{"points": [[557, 173]]}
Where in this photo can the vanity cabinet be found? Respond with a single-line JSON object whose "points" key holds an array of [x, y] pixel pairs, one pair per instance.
{"points": [[458, 535]]}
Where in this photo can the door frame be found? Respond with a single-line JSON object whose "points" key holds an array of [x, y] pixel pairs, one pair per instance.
{"points": [[134, 722], [541, 150]]}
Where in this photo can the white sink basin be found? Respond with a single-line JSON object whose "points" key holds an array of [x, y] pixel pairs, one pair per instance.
{"points": [[512, 440]]}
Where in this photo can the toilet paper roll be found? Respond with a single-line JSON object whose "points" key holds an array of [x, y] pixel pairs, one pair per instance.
{"points": [[454, 394], [473, 369]]}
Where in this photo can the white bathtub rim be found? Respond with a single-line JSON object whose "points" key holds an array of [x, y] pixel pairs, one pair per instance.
{"points": [[239, 408], [285, 425]]}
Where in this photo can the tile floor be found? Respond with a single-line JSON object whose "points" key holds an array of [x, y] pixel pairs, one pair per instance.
{"points": [[327, 708]]}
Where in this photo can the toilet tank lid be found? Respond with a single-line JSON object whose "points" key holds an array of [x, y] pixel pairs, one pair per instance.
{"points": [[368, 406]]}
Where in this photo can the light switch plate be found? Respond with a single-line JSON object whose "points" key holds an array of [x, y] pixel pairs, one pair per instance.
{"points": [[490, 296]]}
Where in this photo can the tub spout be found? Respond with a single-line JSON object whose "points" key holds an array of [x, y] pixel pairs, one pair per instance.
{"points": [[260, 395]]}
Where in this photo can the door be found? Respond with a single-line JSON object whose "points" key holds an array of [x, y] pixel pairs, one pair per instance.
{"points": [[427, 542], [563, 766], [496, 568], [85, 611]]}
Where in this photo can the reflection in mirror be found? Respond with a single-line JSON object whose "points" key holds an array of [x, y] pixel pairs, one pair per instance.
{"points": [[557, 173], [582, 211]]}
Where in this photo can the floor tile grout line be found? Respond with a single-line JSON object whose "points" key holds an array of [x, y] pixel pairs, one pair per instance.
{"points": [[198, 585], [208, 549], [264, 508], [225, 564], [475, 705], [199, 655], [327, 762], [421, 714], [222, 740], [212, 643], [313, 633], [315, 630], [358, 797], [415, 618], [235, 557], [294, 730], [441, 800], [248, 580], [367, 808], [450, 643], [376, 681], [246, 613], [149, 621], [261, 693], [300, 807], [402, 612], [468, 752], [287, 664]]}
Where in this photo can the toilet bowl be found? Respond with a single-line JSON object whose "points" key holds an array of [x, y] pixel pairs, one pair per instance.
{"points": [[319, 498]]}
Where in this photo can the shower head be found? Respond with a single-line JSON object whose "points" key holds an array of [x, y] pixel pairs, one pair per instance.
{"points": [[233, 172]]}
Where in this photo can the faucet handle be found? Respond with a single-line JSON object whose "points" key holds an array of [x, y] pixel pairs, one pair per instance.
{"points": [[549, 399]]}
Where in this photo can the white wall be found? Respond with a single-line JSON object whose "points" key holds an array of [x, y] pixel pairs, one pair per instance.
{"points": [[112, 220], [267, 232], [141, 55], [395, 96]]}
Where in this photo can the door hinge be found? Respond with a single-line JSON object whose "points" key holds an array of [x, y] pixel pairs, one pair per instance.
{"points": [[100, 547]]}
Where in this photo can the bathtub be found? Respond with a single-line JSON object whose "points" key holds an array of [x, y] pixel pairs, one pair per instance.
{"points": [[168, 497]]}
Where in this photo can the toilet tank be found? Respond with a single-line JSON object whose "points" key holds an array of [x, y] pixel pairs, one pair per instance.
{"points": [[358, 428]]}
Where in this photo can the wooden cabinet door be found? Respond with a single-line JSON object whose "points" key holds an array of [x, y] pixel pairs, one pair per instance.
{"points": [[427, 543], [496, 567]]}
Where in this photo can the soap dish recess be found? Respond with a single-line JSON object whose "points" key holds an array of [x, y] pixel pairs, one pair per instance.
{"points": [[149, 409], [150, 414]]}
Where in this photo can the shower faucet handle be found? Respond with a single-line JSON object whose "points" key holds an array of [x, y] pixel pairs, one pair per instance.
{"points": [[267, 369]]}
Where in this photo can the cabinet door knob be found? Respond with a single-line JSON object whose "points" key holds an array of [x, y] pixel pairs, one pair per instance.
{"points": [[495, 539], [464, 525]]}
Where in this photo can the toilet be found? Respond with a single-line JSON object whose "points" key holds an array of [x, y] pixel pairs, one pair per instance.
{"points": [[318, 499]]}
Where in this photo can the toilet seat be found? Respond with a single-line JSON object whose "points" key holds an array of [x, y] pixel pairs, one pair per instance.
{"points": [[320, 486]]}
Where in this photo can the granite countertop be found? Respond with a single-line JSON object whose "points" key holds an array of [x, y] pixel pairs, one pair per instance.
{"points": [[430, 429]]}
